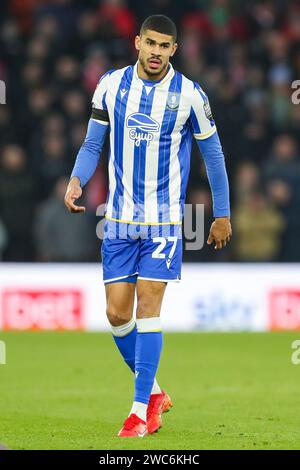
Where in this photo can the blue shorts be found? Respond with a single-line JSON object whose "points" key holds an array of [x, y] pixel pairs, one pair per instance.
{"points": [[151, 252]]}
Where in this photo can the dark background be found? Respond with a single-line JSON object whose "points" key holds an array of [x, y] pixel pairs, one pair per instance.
{"points": [[245, 54]]}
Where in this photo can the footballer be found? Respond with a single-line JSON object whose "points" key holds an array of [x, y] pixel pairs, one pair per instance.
{"points": [[151, 113]]}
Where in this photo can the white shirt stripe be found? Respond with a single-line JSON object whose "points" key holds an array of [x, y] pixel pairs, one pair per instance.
{"points": [[110, 102], [134, 97]]}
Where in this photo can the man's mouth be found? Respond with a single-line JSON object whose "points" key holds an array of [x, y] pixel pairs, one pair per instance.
{"points": [[154, 63]]}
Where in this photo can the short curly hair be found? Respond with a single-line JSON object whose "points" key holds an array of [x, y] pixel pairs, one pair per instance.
{"points": [[160, 23]]}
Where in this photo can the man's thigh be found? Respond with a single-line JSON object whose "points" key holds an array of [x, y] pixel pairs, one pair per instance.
{"points": [[120, 301], [149, 298]]}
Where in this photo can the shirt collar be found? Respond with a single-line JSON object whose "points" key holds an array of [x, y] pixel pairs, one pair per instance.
{"points": [[167, 78]]}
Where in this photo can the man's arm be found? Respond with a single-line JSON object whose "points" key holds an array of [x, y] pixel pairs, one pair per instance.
{"points": [[211, 150], [205, 133], [213, 156], [86, 162], [89, 153]]}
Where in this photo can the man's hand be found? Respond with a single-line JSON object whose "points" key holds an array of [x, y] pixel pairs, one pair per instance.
{"points": [[73, 192], [220, 232]]}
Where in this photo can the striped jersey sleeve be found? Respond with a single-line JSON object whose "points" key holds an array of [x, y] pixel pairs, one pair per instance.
{"points": [[99, 107], [201, 118]]}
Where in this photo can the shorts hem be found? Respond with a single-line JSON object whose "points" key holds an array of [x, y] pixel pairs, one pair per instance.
{"points": [[159, 280], [119, 278]]}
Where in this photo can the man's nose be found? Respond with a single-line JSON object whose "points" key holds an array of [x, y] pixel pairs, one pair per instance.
{"points": [[156, 50]]}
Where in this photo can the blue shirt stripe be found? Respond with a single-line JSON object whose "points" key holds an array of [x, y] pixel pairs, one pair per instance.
{"points": [[119, 121], [169, 119], [140, 155]]}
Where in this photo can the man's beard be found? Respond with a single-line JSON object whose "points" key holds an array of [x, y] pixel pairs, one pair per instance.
{"points": [[151, 73]]}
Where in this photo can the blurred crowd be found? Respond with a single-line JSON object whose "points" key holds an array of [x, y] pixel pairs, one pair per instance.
{"points": [[245, 54]]}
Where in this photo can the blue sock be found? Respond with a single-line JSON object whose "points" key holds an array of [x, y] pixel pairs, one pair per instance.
{"points": [[147, 354], [125, 339]]}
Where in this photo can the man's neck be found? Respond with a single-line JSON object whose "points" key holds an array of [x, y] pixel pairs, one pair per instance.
{"points": [[142, 74]]}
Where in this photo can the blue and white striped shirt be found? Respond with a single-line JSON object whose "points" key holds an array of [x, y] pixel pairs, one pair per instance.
{"points": [[151, 127]]}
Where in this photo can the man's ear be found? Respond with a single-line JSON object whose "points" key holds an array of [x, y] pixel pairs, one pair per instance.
{"points": [[175, 46], [137, 42]]}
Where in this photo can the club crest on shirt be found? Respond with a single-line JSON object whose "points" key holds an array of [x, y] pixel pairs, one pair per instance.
{"points": [[173, 100], [141, 128]]}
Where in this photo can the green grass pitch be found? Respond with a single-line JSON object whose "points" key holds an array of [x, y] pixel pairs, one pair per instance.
{"points": [[73, 391]]}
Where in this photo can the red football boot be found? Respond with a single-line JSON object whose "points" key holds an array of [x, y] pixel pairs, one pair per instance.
{"points": [[159, 403], [133, 427]]}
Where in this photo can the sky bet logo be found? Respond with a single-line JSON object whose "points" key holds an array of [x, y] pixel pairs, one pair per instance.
{"points": [[141, 128]]}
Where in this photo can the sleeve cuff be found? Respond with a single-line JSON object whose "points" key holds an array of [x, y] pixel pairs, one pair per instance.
{"points": [[206, 134]]}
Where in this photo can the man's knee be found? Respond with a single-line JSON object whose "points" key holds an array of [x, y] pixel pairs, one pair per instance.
{"points": [[116, 317], [119, 303], [147, 308], [143, 309]]}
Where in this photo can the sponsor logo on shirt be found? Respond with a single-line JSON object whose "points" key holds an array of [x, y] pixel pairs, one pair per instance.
{"points": [[141, 128]]}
